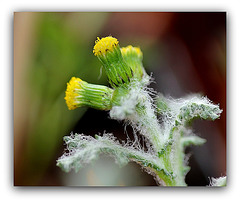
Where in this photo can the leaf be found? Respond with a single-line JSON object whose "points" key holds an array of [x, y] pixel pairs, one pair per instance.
{"points": [[192, 140], [83, 149], [218, 182]]}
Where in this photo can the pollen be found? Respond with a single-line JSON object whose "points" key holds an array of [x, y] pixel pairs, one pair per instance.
{"points": [[102, 46], [71, 94]]}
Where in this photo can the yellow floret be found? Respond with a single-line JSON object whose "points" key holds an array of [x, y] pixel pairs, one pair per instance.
{"points": [[131, 49], [138, 50], [72, 86], [103, 45]]}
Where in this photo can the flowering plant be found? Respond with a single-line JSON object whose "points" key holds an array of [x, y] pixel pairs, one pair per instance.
{"points": [[131, 100]]}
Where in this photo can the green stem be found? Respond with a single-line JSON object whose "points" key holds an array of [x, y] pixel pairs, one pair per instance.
{"points": [[169, 151]]}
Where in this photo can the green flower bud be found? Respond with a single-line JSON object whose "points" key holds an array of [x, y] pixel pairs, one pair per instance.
{"points": [[133, 57], [108, 52], [80, 93]]}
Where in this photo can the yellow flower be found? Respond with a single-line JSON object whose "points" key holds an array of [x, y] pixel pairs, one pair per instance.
{"points": [[72, 92], [103, 45], [108, 51], [132, 50], [133, 57], [80, 93]]}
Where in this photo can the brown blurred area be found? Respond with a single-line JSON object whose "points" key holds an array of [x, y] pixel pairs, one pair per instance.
{"points": [[23, 45], [184, 51]]}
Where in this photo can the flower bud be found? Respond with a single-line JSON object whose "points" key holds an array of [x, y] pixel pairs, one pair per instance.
{"points": [[108, 52], [80, 93], [133, 57]]}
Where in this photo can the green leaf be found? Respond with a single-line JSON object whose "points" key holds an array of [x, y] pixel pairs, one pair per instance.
{"points": [[83, 149]]}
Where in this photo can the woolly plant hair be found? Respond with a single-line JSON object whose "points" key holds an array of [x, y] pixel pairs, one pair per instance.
{"points": [[164, 122]]}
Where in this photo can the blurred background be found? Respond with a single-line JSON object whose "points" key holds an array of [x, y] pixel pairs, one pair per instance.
{"points": [[185, 52]]}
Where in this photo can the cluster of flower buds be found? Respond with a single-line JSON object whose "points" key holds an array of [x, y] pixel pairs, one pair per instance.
{"points": [[121, 65]]}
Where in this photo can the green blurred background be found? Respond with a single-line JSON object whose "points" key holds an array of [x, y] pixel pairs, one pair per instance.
{"points": [[185, 52]]}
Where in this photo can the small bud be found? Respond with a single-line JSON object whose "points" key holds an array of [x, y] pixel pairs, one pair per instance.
{"points": [[133, 57], [108, 52], [80, 93]]}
